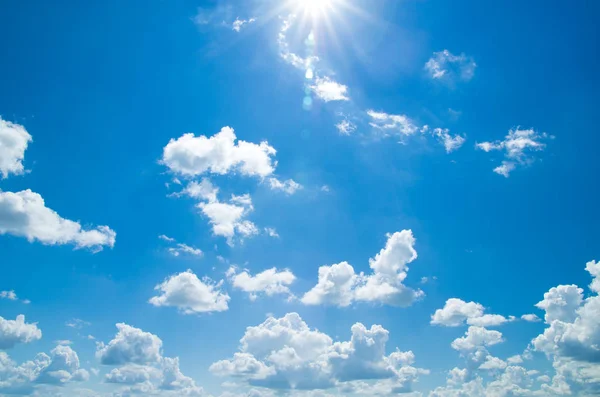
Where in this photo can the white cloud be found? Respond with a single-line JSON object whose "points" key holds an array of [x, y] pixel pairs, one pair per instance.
{"points": [[143, 368], [180, 248], [305, 64], [14, 139], [204, 190], [329, 90], [77, 323], [444, 65], [228, 219], [339, 285], [269, 282], [531, 318], [56, 369], [238, 24], [130, 346], [290, 186], [222, 153], [17, 331], [10, 295], [345, 127], [392, 123], [493, 364], [190, 294], [450, 142], [457, 312], [25, 214], [284, 353], [271, 232], [516, 359], [518, 146], [476, 337]]}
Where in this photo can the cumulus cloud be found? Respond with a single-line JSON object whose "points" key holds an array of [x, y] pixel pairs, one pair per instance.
{"points": [[444, 65], [13, 332], [329, 90], [14, 140], [285, 353], [339, 285], [531, 318], [221, 153], [518, 147], [290, 186], [190, 295], [142, 368], [24, 214], [477, 337], [130, 345], [229, 219], [56, 369], [269, 282], [457, 312]]}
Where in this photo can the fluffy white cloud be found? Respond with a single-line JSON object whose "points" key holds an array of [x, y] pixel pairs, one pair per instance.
{"points": [[284, 353], [130, 346], [335, 286], [229, 219], [25, 214], [339, 285], [131, 374], [238, 24], [329, 90], [531, 318], [14, 139], [392, 123], [203, 190], [63, 367], [222, 153], [456, 312], [476, 337], [190, 294], [17, 331], [56, 369], [493, 364], [518, 146], [444, 65], [290, 186], [269, 282]]}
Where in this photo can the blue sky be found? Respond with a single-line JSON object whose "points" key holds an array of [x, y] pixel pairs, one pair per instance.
{"points": [[343, 197]]}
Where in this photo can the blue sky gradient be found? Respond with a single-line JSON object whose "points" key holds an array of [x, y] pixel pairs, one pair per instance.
{"points": [[103, 88]]}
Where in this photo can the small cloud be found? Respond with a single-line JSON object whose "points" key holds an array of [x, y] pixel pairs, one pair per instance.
{"points": [[271, 232], [10, 295], [345, 127], [290, 186], [329, 90], [63, 342], [239, 23], [444, 65], [77, 323], [180, 248]]}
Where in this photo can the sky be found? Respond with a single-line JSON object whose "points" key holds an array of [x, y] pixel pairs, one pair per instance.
{"points": [[299, 198]]}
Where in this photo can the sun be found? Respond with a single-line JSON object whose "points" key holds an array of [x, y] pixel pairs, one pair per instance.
{"points": [[315, 7]]}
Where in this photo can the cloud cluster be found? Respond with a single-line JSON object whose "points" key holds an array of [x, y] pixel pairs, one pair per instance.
{"points": [[191, 295], [518, 146], [284, 353], [339, 285], [140, 367]]}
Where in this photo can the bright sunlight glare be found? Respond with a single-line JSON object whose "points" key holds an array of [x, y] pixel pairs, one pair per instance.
{"points": [[315, 7]]}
